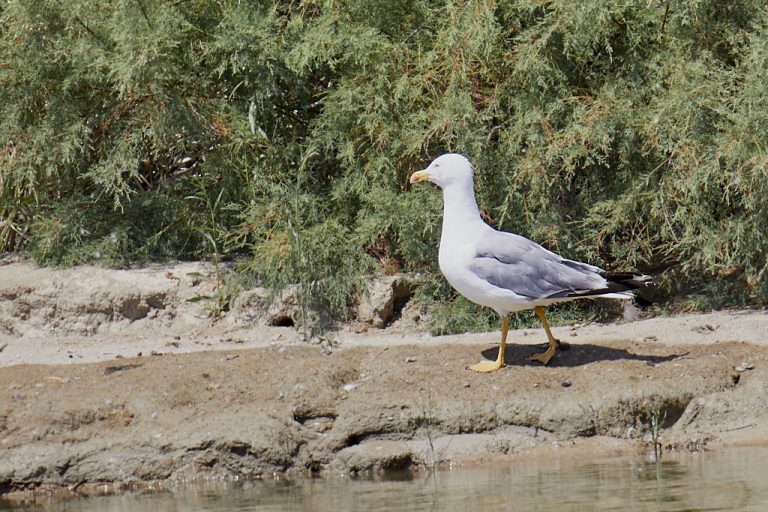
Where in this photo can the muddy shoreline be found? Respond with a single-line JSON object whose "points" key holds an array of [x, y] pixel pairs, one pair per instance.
{"points": [[82, 412]]}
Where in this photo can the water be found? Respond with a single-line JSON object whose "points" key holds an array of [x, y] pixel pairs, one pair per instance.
{"points": [[735, 479]]}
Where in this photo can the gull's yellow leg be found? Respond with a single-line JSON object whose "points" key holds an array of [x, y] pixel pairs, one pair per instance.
{"points": [[545, 356], [492, 366]]}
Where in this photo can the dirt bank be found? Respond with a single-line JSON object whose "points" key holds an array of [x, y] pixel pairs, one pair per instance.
{"points": [[115, 377]]}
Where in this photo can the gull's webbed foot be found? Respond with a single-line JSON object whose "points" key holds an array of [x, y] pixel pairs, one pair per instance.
{"points": [[486, 366], [545, 356], [548, 354], [492, 366]]}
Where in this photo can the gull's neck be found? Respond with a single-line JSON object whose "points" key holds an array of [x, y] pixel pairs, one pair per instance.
{"points": [[461, 216]]}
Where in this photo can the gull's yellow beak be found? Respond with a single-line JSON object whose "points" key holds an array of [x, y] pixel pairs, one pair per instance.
{"points": [[419, 176]]}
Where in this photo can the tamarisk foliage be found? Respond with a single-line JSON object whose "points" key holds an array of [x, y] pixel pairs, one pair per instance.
{"points": [[628, 133]]}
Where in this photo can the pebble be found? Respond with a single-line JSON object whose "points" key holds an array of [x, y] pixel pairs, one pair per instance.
{"points": [[55, 379], [744, 366], [410, 359], [349, 386], [566, 383]]}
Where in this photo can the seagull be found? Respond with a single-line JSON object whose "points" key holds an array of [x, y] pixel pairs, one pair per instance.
{"points": [[505, 271]]}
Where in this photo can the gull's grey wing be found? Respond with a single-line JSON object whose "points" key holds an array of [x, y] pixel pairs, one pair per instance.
{"points": [[524, 267]]}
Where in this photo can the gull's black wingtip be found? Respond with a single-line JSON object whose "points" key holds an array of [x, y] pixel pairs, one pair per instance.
{"points": [[627, 280], [625, 284]]}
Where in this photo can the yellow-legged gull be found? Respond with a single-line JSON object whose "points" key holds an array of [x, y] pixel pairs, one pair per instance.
{"points": [[505, 271]]}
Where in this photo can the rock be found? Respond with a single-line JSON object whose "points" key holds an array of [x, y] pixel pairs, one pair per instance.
{"points": [[384, 299], [456, 447], [632, 313], [736, 407], [373, 455], [249, 305], [257, 305], [284, 309]]}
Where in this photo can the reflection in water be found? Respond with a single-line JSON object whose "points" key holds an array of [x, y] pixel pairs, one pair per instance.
{"points": [[729, 480]]}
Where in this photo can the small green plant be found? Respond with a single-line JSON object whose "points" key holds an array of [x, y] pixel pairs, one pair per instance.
{"points": [[225, 287], [657, 417], [429, 423]]}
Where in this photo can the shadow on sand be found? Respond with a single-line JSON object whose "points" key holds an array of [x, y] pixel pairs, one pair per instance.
{"points": [[572, 355]]}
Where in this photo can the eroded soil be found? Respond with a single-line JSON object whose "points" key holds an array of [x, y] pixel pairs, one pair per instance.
{"points": [[81, 410]]}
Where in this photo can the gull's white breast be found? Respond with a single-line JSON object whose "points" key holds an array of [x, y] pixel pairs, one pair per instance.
{"points": [[455, 258]]}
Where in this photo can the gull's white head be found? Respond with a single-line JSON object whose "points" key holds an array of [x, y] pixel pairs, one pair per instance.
{"points": [[446, 170]]}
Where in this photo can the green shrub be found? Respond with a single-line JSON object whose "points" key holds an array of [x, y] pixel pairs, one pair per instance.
{"points": [[627, 133]]}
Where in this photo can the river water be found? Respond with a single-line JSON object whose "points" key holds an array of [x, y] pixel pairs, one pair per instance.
{"points": [[734, 479]]}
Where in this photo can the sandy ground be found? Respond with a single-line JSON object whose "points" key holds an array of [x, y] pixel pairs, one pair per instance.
{"points": [[116, 378]]}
